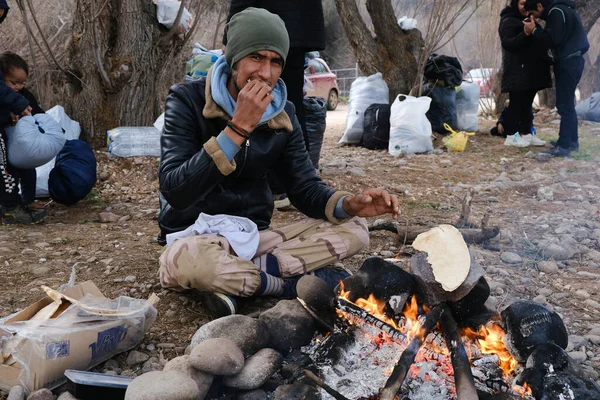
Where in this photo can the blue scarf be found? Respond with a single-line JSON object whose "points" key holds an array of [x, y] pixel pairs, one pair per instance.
{"points": [[221, 72]]}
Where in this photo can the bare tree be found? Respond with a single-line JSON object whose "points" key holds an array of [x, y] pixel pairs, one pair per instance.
{"points": [[399, 55], [117, 62]]}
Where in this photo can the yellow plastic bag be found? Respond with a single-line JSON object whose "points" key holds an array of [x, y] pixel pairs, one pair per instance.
{"points": [[456, 141]]}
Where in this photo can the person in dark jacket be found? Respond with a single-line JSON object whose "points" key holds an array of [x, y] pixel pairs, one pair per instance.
{"points": [[526, 68], [3, 10], [566, 37], [221, 137], [305, 24]]}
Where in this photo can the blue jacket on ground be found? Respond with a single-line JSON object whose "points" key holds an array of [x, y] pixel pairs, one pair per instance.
{"points": [[10, 101], [564, 32]]}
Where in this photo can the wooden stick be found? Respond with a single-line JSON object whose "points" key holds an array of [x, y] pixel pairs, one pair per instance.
{"points": [[360, 315], [319, 382], [471, 235]]}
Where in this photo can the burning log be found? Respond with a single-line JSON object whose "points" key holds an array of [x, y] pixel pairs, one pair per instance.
{"points": [[394, 382], [319, 382], [410, 233], [359, 316], [463, 378]]}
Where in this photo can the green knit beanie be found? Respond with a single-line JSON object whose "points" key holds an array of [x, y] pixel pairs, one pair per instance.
{"points": [[255, 29]]}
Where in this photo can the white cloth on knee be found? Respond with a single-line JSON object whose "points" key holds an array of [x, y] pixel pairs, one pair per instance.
{"points": [[241, 233]]}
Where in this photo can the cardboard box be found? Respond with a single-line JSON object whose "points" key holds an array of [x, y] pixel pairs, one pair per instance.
{"points": [[77, 336]]}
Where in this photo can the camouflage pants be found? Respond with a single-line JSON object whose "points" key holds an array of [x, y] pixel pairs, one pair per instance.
{"points": [[207, 262]]}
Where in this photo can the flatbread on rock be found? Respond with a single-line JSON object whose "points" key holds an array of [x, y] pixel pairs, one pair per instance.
{"points": [[447, 253]]}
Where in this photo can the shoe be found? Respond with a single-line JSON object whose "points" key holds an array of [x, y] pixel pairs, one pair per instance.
{"points": [[21, 215], [281, 201], [218, 305], [573, 147], [559, 152], [332, 275], [534, 140], [516, 140]]}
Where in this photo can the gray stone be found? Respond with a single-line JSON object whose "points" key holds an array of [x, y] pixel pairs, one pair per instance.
{"points": [[130, 279], [543, 157], [40, 271], [66, 396], [162, 385], [297, 391], [578, 356], [433, 290], [217, 356], [42, 394], [593, 255], [387, 254], [529, 154], [595, 339], [183, 365], [153, 364], [357, 171], [545, 291], [16, 393], [582, 294], [577, 341], [103, 176], [257, 394], [257, 370], [135, 358], [540, 299], [594, 331], [289, 325], [108, 217], [592, 303], [545, 193], [548, 267], [511, 258], [249, 334], [587, 274], [556, 252]]}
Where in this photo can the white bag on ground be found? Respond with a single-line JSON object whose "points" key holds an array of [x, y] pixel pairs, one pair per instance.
{"points": [[132, 141], [410, 130], [34, 141], [166, 13], [467, 106], [363, 92]]}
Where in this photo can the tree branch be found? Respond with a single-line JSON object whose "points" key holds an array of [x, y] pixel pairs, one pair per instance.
{"points": [[175, 26], [30, 37], [97, 54]]}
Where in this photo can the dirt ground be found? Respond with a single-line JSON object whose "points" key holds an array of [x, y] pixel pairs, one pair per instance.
{"points": [[430, 187]]}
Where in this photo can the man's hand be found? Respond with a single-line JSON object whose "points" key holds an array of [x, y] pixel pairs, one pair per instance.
{"points": [[529, 25], [371, 203], [13, 119], [251, 104]]}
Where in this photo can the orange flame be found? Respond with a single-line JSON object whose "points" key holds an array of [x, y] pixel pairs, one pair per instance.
{"points": [[523, 391], [491, 341]]}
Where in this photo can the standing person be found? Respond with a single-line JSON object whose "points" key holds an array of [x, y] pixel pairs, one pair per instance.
{"points": [[565, 35], [222, 135], [526, 71], [305, 24]]}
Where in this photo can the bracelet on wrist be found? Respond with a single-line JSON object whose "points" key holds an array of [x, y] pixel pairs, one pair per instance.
{"points": [[238, 131]]}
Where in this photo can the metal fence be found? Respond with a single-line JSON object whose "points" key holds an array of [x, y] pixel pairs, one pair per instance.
{"points": [[345, 77]]}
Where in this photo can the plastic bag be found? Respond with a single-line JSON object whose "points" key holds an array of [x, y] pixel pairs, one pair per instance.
{"points": [[131, 141], [202, 61], [443, 107], [410, 130], [456, 142], [72, 131], [467, 107], [406, 24], [589, 109], [166, 13], [34, 141], [363, 92]]}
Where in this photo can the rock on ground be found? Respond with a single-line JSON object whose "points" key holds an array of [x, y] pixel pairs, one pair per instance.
{"points": [[183, 365], [16, 393], [257, 370], [217, 356], [249, 334], [162, 385], [290, 326], [42, 394]]}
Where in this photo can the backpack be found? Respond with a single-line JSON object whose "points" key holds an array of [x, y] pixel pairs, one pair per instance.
{"points": [[376, 134], [74, 174]]}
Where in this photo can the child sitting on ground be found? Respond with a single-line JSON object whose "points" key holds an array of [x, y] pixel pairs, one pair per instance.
{"points": [[14, 209]]}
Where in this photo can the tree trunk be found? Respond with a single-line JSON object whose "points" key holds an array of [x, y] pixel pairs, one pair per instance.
{"points": [[547, 98], [589, 10], [117, 59], [590, 80], [393, 52]]}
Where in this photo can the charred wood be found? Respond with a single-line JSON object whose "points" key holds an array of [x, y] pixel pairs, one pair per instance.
{"points": [[410, 233], [359, 316], [394, 382], [319, 382]]}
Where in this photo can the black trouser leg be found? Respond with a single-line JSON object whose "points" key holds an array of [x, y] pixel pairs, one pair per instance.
{"points": [[293, 76], [9, 191], [518, 116], [568, 74], [525, 112], [27, 178]]}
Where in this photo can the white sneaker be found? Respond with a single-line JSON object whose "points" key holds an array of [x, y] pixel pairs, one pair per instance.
{"points": [[517, 140], [534, 140]]}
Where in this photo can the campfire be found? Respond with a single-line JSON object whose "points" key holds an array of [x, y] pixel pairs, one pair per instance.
{"points": [[424, 334]]}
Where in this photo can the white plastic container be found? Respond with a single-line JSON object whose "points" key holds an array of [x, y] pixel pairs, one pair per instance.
{"points": [[132, 141]]}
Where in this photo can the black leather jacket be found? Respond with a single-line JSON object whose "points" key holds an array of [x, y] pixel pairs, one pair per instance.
{"points": [[195, 176]]}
